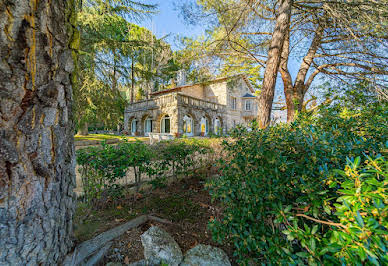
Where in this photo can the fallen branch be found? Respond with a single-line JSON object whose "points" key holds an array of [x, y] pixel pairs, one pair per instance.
{"points": [[95, 258], [159, 220], [89, 247], [94, 249], [320, 221]]}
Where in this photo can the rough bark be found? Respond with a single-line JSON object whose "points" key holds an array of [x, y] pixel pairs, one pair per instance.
{"points": [[36, 131], [273, 62], [286, 77], [294, 93]]}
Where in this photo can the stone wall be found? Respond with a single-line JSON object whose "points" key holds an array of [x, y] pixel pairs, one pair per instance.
{"points": [[217, 90], [220, 92], [196, 91], [176, 111]]}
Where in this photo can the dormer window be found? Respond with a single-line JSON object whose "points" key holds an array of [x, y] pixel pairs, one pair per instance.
{"points": [[248, 105]]}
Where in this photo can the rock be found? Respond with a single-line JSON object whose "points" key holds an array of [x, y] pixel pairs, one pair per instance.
{"points": [[204, 255], [113, 264], [139, 263], [160, 247], [95, 258]]}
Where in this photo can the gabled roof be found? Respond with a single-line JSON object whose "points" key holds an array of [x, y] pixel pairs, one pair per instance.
{"points": [[243, 76], [171, 90], [248, 95]]}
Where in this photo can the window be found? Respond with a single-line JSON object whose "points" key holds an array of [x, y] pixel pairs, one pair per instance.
{"points": [[165, 124], [234, 103], [134, 127], [147, 126], [248, 105]]}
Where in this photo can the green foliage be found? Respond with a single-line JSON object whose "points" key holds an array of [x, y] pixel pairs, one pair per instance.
{"points": [[276, 174], [115, 57], [103, 168], [360, 235]]}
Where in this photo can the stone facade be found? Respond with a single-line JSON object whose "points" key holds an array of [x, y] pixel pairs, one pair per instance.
{"points": [[194, 110]]}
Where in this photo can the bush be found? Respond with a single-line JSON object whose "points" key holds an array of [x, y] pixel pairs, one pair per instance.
{"points": [[103, 168], [360, 231], [181, 155], [274, 174]]}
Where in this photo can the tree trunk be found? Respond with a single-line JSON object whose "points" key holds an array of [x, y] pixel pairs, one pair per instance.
{"points": [[83, 129], [36, 131], [132, 80], [273, 62], [294, 106], [286, 77], [294, 93]]}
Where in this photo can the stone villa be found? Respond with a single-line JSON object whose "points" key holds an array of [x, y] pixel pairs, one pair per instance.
{"points": [[193, 110]]}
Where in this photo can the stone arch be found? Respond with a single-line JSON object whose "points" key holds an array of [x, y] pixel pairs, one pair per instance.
{"points": [[205, 124], [195, 122], [164, 126]]}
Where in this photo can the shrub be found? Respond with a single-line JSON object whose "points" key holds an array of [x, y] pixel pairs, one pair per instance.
{"points": [[360, 231], [273, 174], [181, 155], [102, 167]]}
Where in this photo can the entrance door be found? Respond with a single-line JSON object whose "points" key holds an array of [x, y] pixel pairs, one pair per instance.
{"points": [[217, 126], [188, 126], [204, 126]]}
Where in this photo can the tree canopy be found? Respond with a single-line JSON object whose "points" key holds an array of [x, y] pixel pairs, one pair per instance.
{"points": [[344, 40]]}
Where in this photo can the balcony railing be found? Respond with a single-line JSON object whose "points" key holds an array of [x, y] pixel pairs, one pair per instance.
{"points": [[165, 100], [195, 102], [173, 99]]}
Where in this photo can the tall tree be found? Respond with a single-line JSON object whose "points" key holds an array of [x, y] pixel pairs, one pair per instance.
{"points": [[345, 40], [341, 40], [108, 47], [36, 131], [273, 61]]}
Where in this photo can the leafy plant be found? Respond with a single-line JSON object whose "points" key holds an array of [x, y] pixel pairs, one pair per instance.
{"points": [[102, 167], [269, 176], [359, 232]]}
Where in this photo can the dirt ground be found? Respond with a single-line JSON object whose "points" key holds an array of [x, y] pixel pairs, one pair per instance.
{"points": [[185, 203]]}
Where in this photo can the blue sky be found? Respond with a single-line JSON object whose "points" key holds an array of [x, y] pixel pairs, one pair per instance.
{"points": [[167, 21]]}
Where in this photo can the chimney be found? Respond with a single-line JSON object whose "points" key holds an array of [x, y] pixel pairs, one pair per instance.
{"points": [[181, 78]]}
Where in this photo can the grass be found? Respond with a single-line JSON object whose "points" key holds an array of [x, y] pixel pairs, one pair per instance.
{"points": [[89, 222], [176, 207], [176, 202], [101, 137]]}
